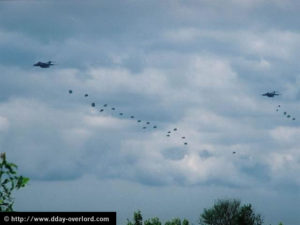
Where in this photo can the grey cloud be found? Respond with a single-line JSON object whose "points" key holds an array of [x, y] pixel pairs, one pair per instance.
{"points": [[195, 65], [174, 153]]}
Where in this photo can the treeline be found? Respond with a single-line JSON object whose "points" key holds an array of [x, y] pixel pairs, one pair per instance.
{"points": [[223, 212], [138, 220]]}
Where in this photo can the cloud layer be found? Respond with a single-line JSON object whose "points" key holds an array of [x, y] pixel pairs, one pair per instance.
{"points": [[194, 65]]}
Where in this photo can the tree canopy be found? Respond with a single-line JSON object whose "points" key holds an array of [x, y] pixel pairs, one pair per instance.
{"points": [[230, 212]]}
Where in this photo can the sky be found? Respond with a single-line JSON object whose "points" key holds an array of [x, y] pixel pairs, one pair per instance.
{"points": [[198, 66]]}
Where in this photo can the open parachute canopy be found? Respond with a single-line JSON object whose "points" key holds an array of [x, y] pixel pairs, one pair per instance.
{"points": [[145, 125]]}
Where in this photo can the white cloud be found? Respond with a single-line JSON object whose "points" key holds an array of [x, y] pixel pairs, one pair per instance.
{"points": [[198, 66], [150, 81], [285, 166], [262, 43], [211, 74], [286, 134], [4, 123], [106, 122], [76, 137]]}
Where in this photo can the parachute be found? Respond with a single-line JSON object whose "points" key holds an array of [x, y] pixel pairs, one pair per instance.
{"points": [[285, 113], [93, 104]]}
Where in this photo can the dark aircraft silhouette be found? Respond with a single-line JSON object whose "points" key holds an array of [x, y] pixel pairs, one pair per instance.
{"points": [[43, 64], [270, 94]]}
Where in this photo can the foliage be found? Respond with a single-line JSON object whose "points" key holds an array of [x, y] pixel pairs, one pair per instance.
{"points": [[247, 216], [185, 222], [230, 212], [9, 181], [129, 222], [280, 223], [152, 221], [138, 220], [222, 213], [175, 221]]}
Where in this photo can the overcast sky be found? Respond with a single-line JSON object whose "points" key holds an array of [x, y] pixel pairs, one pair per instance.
{"points": [[200, 66]]}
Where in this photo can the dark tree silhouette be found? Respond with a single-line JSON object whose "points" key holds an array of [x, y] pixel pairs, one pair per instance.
{"points": [[230, 212], [137, 219], [152, 221]]}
